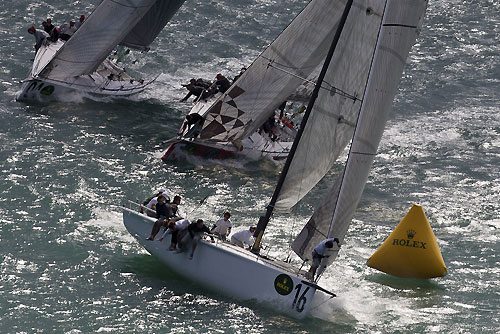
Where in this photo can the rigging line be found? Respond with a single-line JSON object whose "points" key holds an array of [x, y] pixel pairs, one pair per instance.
{"points": [[264, 220], [332, 88], [290, 241], [321, 304]]}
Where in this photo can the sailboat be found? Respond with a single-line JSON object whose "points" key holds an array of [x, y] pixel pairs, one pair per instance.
{"points": [[272, 144], [372, 39], [234, 121], [82, 64]]}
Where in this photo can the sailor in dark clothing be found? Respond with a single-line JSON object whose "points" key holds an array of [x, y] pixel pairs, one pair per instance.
{"points": [[269, 124], [268, 127], [203, 83], [281, 108], [194, 88], [222, 83], [192, 120], [47, 26], [164, 211], [53, 32], [195, 232], [175, 205], [149, 199], [243, 69], [54, 35]]}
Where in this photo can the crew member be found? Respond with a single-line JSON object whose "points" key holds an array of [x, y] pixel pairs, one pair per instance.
{"points": [[40, 36], [318, 253]]}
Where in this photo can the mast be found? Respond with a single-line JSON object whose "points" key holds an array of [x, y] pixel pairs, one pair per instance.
{"points": [[401, 23], [264, 220]]}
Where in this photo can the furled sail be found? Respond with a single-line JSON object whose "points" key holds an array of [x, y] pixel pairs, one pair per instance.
{"points": [[275, 74], [401, 23], [151, 24], [331, 123], [89, 46]]}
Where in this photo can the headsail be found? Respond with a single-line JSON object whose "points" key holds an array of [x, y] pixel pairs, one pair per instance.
{"points": [[275, 74], [401, 23], [151, 24], [89, 46], [332, 120]]}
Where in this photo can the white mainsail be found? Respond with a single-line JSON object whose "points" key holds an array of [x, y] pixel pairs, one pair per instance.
{"points": [[332, 120], [402, 20], [89, 46], [275, 74], [151, 24]]}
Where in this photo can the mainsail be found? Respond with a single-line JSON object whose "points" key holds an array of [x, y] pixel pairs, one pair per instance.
{"points": [[402, 20], [275, 74], [331, 124], [89, 46], [151, 24], [303, 92]]}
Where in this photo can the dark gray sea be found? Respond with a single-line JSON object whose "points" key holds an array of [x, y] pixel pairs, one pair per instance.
{"points": [[69, 266]]}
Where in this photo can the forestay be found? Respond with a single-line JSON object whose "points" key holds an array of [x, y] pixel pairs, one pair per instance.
{"points": [[107, 26], [401, 24], [151, 24], [275, 74]]}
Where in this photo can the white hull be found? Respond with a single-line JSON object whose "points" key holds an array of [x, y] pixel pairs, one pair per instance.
{"points": [[108, 80], [230, 270], [48, 90]]}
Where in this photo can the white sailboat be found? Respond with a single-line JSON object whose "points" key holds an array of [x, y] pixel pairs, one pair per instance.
{"points": [[273, 145], [233, 121], [372, 38], [81, 63]]}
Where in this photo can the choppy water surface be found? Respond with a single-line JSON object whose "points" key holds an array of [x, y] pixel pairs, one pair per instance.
{"points": [[69, 266]]}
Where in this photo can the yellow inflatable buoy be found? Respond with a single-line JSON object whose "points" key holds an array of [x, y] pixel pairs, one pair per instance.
{"points": [[411, 250]]}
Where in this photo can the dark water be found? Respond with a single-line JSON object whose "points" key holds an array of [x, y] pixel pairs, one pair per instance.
{"points": [[69, 266]]}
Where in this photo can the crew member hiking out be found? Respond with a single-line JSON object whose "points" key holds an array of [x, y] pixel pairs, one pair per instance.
{"points": [[164, 211], [318, 253], [39, 35], [222, 83]]}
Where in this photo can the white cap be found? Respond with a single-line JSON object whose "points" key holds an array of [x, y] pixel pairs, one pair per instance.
{"points": [[161, 190]]}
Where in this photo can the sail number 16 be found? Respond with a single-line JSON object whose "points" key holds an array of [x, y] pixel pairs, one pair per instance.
{"points": [[300, 303]]}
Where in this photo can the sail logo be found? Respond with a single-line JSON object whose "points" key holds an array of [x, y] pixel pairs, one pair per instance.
{"points": [[283, 284], [409, 242]]}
